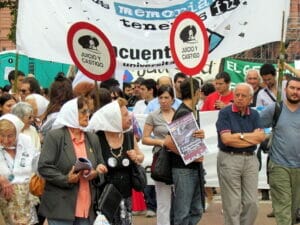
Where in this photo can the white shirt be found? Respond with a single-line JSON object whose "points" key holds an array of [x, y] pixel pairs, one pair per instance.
{"points": [[21, 165], [139, 107], [263, 99]]}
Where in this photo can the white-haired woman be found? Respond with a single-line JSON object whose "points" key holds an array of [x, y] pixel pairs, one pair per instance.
{"points": [[16, 156], [24, 111]]}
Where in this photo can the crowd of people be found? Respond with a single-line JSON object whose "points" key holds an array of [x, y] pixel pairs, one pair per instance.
{"points": [[44, 132]]}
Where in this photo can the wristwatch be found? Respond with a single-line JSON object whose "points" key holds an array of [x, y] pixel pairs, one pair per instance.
{"points": [[242, 136]]}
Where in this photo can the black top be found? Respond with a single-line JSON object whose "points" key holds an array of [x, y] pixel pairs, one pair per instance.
{"points": [[118, 163], [177, 161], [254, 99]]}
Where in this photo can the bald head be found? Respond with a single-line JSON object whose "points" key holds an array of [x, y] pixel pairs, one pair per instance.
{"points": [[164, 80]]}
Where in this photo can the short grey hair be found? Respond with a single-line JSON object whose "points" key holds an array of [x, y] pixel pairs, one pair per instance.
{"points": [[22, 109], [251, 91], [252, 70]]}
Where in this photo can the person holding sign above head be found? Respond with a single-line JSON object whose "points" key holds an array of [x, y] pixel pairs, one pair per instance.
{"points": [[267, 95], [239, 131], [284, 164], [187, 179]]}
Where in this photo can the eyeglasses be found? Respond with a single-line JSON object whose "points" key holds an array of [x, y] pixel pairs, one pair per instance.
{"points": [[23, 91], [115, 97], [30, 117], [84, 111]]}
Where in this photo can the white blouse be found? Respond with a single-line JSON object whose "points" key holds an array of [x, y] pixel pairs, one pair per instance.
{"points": [[20, 168]]}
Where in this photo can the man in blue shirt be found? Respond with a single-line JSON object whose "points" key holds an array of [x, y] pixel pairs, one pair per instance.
{"points": [[284, 165], [239, 131]]}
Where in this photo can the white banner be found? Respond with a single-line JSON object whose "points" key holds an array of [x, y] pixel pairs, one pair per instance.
{"points": [[139, 30]]}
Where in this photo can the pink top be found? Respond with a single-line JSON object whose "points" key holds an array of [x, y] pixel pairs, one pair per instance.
{"points": [[83, 202]]}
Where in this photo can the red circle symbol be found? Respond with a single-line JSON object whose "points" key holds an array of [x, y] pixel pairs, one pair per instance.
{"points": [[189, 43], [91, 51]]}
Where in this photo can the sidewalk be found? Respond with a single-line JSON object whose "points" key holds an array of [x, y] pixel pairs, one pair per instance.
{"points": [[213, 215]]}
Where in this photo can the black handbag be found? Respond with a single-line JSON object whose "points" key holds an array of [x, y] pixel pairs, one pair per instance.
{"points": [[138, 177], [161, 168], [109, 202], [138, 173]]}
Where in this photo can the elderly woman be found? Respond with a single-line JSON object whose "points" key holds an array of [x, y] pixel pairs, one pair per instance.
{"points": [[39, 105], [24, 111], [69, 194], [120, 151], [16, 156]]}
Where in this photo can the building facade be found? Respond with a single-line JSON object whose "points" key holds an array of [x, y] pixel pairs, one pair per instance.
{"points": [[5, 24]]}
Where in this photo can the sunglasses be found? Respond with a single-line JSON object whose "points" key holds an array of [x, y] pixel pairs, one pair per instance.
{"points": [[23, 91]]}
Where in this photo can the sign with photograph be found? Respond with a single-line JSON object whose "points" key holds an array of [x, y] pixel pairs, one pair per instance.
{"points": [[189, 147]]}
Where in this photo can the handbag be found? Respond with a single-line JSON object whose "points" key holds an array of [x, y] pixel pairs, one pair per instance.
{"points": [[138, 173], [138, 177], [161, 168], [36, 185], [109, 202]]}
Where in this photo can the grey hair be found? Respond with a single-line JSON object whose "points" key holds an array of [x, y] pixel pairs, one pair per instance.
{"points": [[251, 91], [22, 109], [254, 70]]}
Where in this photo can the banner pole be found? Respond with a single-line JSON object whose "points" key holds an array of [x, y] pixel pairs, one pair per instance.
{"points": [[281, 60], [15, 84], [192, 95], [97, 97]]}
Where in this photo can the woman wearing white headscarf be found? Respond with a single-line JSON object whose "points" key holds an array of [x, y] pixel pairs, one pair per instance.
{"points": [[68, 195], [16, 154], [120, 151], [39, 105]]}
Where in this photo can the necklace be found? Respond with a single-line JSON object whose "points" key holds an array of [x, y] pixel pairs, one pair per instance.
{"points": [[116, 155]]}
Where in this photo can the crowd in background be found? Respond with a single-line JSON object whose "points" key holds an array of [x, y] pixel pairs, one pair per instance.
{"points": [[44, 130]]}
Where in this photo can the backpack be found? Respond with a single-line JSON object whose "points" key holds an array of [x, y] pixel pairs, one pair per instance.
{"points": [[266, 144]]}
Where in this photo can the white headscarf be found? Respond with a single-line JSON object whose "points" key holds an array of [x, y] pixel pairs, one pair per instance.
{"points": [[107, 118], [41, 103], [16, 121], [68, 115]]}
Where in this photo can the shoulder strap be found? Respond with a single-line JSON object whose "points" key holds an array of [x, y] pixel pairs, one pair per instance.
{"points": [[277, 112], [130, 139], [273, 99]]}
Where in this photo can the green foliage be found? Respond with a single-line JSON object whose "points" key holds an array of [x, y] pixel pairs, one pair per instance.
{"points": [[13, 6]]}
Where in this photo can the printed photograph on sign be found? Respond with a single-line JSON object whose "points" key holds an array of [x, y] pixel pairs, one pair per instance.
{"points": [[90, 51]]}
